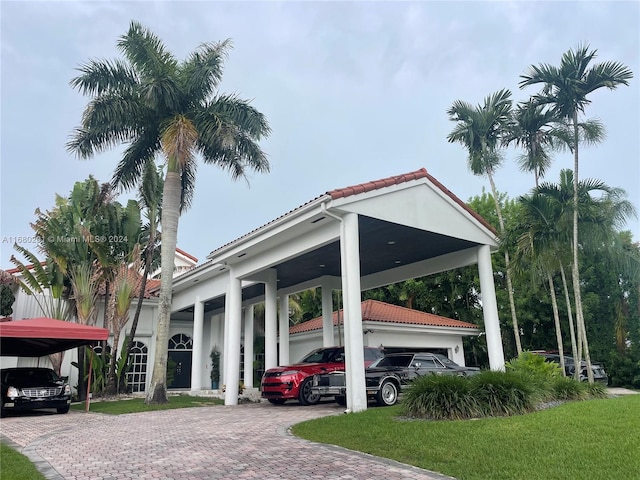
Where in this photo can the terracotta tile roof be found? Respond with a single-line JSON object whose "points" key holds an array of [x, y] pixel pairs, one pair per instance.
{"points": [[376, 311], [188, 255], [150, 289], [376, 184]]}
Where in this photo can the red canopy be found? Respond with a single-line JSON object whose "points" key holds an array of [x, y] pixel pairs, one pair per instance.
{"points": [[37, 337]]}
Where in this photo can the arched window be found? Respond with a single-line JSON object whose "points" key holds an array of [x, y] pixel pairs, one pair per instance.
{"points": [[137, 374], [181, 341]]}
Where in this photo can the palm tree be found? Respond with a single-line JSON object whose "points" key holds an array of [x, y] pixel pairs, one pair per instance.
{"points": [[565, 89], [480, 130], [158, 105], [599, 216], [150, 199], [535, 129]]}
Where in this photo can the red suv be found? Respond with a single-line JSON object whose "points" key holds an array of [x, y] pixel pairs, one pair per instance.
{"points": [[295, 381]]}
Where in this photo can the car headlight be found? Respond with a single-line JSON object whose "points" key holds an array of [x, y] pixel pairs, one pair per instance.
{"points": [[12, 392], [67, 390], [288, 372]]}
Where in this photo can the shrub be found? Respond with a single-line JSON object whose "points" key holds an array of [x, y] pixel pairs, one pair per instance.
{"points": [[535, 365], [565, 388], [597, 390], [440, 397], [503, 393]]}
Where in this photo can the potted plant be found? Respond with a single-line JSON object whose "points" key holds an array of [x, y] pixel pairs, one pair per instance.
{"points": [[215, 368]]}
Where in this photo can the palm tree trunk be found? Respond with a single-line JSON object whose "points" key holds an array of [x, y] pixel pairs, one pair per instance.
{"points": [[112, 383], [143, 287], [556, 319], [170, 214], [572, 332], [512, 305], [575, 267]]}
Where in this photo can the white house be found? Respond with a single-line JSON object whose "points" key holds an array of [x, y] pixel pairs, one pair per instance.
{"points": [[351, 239]]}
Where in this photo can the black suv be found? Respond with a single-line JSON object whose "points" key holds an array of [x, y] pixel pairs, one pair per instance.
{"points": [[31, 388]]}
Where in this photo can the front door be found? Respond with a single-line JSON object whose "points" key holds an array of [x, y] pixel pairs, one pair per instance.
{"points": [[180, 347], [181, 363]]}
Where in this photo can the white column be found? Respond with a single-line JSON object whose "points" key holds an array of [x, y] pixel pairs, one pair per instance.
{"points": [[354, 348], [248, 346], [284, 330], [232, 348], [490, 309], [225, 340], [270, 321], [328, 339], [197, 339]]}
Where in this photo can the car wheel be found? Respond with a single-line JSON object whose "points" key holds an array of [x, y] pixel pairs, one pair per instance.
{"points": [[277, 401], [63, 409], [341, 400], [3, 413], [388, 394], [306, 396]]}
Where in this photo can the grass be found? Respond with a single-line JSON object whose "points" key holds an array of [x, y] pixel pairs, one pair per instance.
{"points": [[15, 466], [135, 405], [594, 439]]}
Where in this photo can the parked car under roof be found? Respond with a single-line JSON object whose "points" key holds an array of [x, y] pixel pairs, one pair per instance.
{"points": [[293, 382], [31, 388], [386, 378]]}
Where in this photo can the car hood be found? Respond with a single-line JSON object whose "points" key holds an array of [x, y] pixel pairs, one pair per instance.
{"points": [[29, 382], [305, 367]]}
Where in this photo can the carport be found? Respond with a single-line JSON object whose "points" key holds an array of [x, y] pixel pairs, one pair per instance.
{"points": [[353, 239], [38, 337]]}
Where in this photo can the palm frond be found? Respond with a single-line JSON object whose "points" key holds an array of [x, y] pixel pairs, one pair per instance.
{"points": [[202, 72], [101, 76]]}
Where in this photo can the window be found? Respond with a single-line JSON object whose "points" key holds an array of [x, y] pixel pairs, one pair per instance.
{"points": [[181, 341], [137, 374]]}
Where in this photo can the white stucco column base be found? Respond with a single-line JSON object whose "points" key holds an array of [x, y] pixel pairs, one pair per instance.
{"points": [[490, 309], [197, 339], [354, 349], [248, 346], [284, 330], [270, 320], [232, 348]]}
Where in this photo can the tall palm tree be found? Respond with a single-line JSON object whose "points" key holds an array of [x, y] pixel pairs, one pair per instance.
{"points": [[602, 209], [158, 105], [566, 89], [480, 130]]}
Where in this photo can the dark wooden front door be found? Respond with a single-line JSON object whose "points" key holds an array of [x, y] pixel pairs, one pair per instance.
{"points": [[182, 369]]}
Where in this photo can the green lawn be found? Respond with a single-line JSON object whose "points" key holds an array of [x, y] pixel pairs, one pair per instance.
{"points": [[15, 466], [591, 440], [136, 405]]}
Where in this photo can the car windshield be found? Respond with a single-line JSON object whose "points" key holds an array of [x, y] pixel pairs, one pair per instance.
{"points": [[447, 361], [395, 361], [35, 376], [325, 355]]}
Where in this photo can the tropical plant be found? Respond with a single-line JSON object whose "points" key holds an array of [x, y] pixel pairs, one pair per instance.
{"points": [[480, 130], [46, 284], [535, 129], [150, 200], [158, 105], [215, 365], [126, 280], [6, 293], [565, 89]]}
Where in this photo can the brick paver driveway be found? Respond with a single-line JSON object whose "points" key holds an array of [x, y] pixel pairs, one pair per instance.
{"points": [[244, 442]]}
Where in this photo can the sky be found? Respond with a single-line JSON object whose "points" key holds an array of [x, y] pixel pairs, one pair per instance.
{"points": [[353, 91]]}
